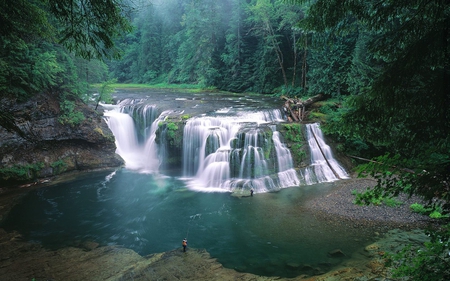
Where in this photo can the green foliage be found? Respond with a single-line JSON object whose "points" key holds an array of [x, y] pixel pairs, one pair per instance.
{"points": [[419, 208], [85, 30], [288, 91], [169, 133], [438, 215], [224, 44], [430, 261], [393, 179], [373, 198], [59, 166], [105, 92], [28, 68], [293, 132], [32, 59], [172, 126], [69, 115], [330, 62], [21, 172], [433, 212], [298, 151]]}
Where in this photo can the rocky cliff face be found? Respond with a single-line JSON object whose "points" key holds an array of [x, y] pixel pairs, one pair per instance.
{"points": [[35, 145]]}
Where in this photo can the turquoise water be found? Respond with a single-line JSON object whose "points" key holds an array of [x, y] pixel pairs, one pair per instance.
{"points": [[267, 234]]}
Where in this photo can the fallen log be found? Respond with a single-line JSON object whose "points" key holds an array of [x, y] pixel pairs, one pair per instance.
{"points": [[297, 108]]}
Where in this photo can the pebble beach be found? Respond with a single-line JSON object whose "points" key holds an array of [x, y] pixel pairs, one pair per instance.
{"points": [[338, 206]]}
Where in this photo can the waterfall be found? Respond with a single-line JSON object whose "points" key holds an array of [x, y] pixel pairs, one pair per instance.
{"points": [[134, 123], [222, 151], [287, 174], [237, 153], [323, 167]]}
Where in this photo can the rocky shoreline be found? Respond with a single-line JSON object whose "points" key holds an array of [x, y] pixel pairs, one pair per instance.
{"points": [[338, 206], [21, 260]]}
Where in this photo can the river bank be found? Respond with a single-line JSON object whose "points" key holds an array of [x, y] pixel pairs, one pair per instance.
{"points": [[21, 260], [338, 207]]}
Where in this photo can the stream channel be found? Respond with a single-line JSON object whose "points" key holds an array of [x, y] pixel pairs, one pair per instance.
{"points": [[268, 234]]}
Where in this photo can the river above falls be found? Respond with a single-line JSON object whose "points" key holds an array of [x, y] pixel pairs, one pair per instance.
{"points": [[196, 103]]}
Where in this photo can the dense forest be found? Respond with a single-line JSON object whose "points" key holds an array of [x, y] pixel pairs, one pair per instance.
{"points": [[385, 63]]}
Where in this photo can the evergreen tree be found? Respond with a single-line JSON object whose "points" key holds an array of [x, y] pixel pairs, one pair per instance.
{"points": [[235, 51], [401, 107], [202, 40]]}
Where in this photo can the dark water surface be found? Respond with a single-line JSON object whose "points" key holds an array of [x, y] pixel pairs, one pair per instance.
{"points": [[267, 234]]}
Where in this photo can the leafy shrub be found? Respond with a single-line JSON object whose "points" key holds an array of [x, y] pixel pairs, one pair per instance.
{"points": [[419, 208], [375, 199], [293, 132], [69, 115], [59, 166], [21, 172], [392, 202], [434, 212], [423, 262]]}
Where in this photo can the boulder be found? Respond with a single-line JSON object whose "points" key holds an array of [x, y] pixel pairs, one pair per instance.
{"points": [[35, 144], [336, 253]]}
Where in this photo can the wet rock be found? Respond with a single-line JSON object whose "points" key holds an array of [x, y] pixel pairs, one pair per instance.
{"points": [[89, 245], [307, 268], [376, 266], [371, 248], [293, 265], [336, 253], [50, 146]]}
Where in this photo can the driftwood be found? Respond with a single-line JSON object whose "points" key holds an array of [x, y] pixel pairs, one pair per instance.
{"points": [[297, 108]]}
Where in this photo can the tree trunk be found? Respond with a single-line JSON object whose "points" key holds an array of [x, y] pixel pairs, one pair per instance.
{"points": [[297, 108]]}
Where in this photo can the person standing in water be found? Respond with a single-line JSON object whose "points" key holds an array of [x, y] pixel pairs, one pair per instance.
{"points": [[184, 243], [251, 192]]}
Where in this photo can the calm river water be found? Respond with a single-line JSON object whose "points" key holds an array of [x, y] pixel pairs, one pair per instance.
{"points": [[267, 234]]}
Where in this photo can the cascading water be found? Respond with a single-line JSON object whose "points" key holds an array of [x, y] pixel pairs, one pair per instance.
{"points": [[286, 172], [135, 137], [222, 152], [237, 153], [323, 167]]}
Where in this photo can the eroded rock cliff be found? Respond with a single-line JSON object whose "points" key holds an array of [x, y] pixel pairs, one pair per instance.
{"points": [[34, 144]]}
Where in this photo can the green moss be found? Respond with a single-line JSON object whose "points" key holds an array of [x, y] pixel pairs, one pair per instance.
{"points": [[293, 134], [21, 172], [317, 116], [59, 166], [172, 132], [69, 115]]}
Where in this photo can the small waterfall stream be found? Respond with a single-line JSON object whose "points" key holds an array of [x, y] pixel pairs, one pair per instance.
{"points": [[222, 152], [324, 167]]}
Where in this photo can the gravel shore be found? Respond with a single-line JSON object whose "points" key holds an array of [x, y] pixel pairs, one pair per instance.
{"points": [[338, 207]]}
